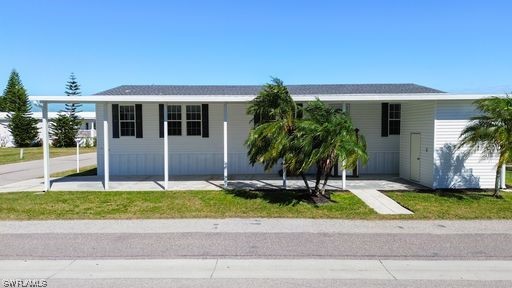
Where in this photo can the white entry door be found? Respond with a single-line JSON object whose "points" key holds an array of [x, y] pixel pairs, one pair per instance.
{"points": [[415, 156]]}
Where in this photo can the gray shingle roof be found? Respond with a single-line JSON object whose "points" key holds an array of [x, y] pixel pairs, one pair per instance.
{"points": [[315, 89]]}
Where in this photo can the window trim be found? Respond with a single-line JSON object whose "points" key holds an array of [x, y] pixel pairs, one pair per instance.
{"points": [[169, 119], [390, 119], [183, 106], [134, 121], [200, 120]]}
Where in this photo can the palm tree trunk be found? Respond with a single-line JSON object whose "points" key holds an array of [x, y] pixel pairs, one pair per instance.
{"points": [[325, 183], [306, 182], [318, 179], [497, 182]]}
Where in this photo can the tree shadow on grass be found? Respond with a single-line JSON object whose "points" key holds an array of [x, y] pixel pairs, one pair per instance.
{"points": [[462, 194], [279, 197]]}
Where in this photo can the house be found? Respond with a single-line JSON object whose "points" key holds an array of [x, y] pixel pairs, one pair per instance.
{"points": [[86, 130], [411, 130]]}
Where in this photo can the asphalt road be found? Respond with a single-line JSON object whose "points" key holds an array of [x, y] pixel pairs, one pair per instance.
{"points": [[256, 245], [102, 253], [16, 172]]}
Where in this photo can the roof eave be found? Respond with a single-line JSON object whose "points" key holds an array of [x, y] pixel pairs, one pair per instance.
{"points": [[247, 98]]}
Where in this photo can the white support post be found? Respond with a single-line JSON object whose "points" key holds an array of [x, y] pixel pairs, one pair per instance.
{"points": [[46, 149], [503, 176], [284, 175], [93, 130], [225, 145], [106, 164], [343, 171], [166, 150], [77, 155]]}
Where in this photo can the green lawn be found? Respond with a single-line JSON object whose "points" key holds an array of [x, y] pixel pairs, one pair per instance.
{"points": [[509, 178], [455, 205], [160, 204], [224, 204], [84, 171], [12, 155]]}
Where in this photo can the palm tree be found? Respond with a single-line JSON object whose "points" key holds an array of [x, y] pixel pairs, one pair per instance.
{"points": [[325, 137], [274, 121], [320, 140], [490, 132]]}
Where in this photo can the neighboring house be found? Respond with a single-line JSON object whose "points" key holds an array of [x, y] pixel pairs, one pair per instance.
{"points": [[86, 130], [410, 130]]}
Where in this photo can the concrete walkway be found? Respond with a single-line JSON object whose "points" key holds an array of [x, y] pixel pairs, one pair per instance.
{"points": [[30, 170], [379, 202], [183, 183], [257, 269]]}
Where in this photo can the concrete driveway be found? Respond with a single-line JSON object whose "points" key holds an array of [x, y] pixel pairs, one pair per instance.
{"points": [[12, 173]]}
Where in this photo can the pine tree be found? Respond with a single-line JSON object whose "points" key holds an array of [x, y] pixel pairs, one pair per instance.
{"points": [[67, 123], [22, 126], [73, 89], [2, 104]]}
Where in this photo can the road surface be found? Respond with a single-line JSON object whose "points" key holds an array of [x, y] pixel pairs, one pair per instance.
{"points": [[16, 172], [258, 253]]}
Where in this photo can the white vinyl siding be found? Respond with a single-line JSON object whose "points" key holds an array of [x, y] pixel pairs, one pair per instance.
{"points": [[383, 152], [187, 155], [387, 155], [417, 117], [204, 156], [454, 169]]}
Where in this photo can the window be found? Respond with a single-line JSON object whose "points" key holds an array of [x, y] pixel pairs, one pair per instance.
{"points": [[193, 120], [127, 120], [394, 119], [174, 120]]}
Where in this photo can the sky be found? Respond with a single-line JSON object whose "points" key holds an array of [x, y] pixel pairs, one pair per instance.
{"points": [[455, 46]]}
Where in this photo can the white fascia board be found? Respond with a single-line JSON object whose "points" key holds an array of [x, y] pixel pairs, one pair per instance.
{"points": [[142, 98], [88, 115], [247, 98]]}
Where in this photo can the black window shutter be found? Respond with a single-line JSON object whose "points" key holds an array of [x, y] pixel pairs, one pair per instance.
{"points": [[161, 119], [138, 120], [204, 119], [385, 120], [115, 120]]}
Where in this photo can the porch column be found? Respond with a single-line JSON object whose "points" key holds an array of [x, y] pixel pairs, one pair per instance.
{"points": [[284, 175], [225, 145], [46, 148], [344, 171], [106, 164], [93, 130], [503, 176], [166, 150]]}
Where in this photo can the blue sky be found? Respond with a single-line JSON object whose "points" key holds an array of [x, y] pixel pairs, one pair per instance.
{"points": [[456, 46]]}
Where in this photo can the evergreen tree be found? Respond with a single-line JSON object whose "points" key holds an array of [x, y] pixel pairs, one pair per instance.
{"points": [[22, 125], [67, 123], [2, 104], [73, 89]]}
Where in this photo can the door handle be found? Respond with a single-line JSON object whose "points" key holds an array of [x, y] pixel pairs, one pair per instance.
{"points": [[418, 158]]}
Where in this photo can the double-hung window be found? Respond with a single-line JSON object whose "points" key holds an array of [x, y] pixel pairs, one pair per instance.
{"points": [[193, 120], [174, 120], [127, 120], [394, 119]]}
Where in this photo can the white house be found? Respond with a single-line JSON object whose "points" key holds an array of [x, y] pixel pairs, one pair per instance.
{"points": [[410, 130], [86, 130]]}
